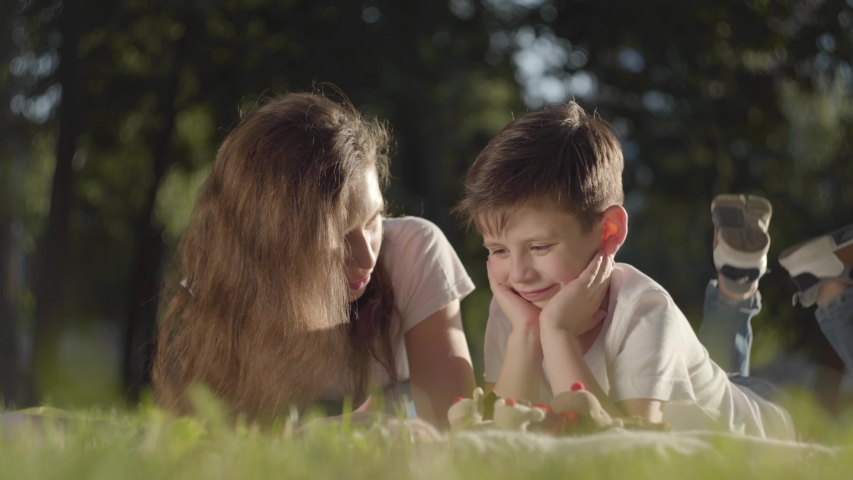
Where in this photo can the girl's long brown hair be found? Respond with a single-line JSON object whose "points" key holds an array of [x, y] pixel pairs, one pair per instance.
{"points": [[261, 312]]}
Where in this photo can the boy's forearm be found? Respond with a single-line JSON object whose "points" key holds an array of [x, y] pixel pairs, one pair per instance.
{"points": [[521, 371], [565, 364]]}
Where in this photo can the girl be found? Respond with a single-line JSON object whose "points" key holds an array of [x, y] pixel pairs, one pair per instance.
{"points": [[296, 287]]}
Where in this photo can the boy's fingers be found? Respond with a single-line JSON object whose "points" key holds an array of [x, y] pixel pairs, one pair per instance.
{"points": [[593, 270], [492, 282], [497, 288], [602, 267], [605, 271], [499, 291]]}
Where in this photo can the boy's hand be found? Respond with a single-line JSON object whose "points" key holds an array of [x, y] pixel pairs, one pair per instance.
{"points": [[520, 312], [577, 306]]}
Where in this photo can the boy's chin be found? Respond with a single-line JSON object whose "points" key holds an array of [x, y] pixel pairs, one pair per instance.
{"points": [[540, 304]]}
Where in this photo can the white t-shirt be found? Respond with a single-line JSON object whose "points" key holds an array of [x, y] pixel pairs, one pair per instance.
{"points": [[426, 275], [647, 349]]}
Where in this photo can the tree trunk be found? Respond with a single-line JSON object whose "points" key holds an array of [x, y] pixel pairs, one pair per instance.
{"points": [[53, 245], [8, 325], [9, 280], [142, 318]]}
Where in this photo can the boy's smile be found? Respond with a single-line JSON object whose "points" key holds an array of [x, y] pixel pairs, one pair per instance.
{"points": [[535, 295], [540, 249]]}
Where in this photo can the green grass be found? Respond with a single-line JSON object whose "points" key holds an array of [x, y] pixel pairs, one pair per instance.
{"points": [[148, 444]]}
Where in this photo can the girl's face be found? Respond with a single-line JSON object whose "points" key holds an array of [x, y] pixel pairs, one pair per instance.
{"points": [[364, 232]]}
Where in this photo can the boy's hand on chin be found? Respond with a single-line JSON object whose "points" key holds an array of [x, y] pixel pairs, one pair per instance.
{"points": [[520, 312], [577, 306]]}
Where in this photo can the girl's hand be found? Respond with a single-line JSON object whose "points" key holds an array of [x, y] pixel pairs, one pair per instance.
{"points": [[521, 313], [369, 405], [577, 306]]}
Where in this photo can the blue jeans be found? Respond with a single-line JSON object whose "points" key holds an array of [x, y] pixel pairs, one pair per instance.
{"points": [[836, 322], [726, 333]]}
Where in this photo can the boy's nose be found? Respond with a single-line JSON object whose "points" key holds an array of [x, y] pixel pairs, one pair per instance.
{"points": [[520, 271], [362, 255]]}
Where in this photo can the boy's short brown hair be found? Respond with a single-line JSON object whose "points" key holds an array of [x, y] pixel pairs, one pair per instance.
{"points": [[559, 154]]}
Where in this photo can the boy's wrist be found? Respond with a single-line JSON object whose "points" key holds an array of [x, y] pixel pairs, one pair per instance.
{"points": [[555, 340], [526, 329], [528, 338], [554, 325], [550, 329]]}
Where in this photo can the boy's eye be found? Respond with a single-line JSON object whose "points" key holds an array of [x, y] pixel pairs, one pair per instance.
{"points": [[540, 248], [497, 251]]}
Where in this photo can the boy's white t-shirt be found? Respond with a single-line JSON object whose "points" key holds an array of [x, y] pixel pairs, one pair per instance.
{"points": [[426, 275], [647, 349]]}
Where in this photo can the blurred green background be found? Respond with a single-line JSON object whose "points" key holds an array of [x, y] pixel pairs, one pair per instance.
{"points": [[111, 113]]}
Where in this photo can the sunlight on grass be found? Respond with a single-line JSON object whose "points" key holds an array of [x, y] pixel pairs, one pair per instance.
{"points": [[150, 444]]}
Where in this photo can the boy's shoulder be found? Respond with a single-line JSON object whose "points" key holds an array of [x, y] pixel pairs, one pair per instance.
{"points": [[628, 281], [640, 300], [631, 289]]}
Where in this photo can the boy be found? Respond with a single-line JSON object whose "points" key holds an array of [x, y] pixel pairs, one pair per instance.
{"points": [[546, 194]]}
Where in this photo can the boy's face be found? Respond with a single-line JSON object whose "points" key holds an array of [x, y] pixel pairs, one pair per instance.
{"points": [[541, 249]]}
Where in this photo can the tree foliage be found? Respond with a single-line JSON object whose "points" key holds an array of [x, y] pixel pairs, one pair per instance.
{"points": [[133, 98]]}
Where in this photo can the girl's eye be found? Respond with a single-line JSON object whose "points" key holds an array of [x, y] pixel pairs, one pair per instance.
{"points": [[374, 220]]}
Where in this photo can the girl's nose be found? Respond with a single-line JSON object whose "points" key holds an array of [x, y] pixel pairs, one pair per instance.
{"points": [[362, 255]]}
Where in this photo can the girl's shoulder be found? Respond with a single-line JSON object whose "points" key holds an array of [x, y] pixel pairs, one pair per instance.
{"points": [[406, 236], [410, 228], [423, 267]]}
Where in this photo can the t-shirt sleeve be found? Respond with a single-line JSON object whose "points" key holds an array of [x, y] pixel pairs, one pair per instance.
{"points": [[651, 361], [498, 329], [425, 270]]}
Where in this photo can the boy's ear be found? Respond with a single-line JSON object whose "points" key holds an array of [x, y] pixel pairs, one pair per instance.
{"points": [[614, 229]]}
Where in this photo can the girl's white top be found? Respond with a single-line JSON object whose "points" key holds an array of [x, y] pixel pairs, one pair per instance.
{"points": [[426, 275]]}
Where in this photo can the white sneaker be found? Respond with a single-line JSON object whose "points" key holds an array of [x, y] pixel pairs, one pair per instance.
{"points": [[827, 257], [741, 241]]}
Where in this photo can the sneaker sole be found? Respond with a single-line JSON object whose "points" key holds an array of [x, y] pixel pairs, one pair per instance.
{"points": [[729, 217], [814, 261], [813, 256]]}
